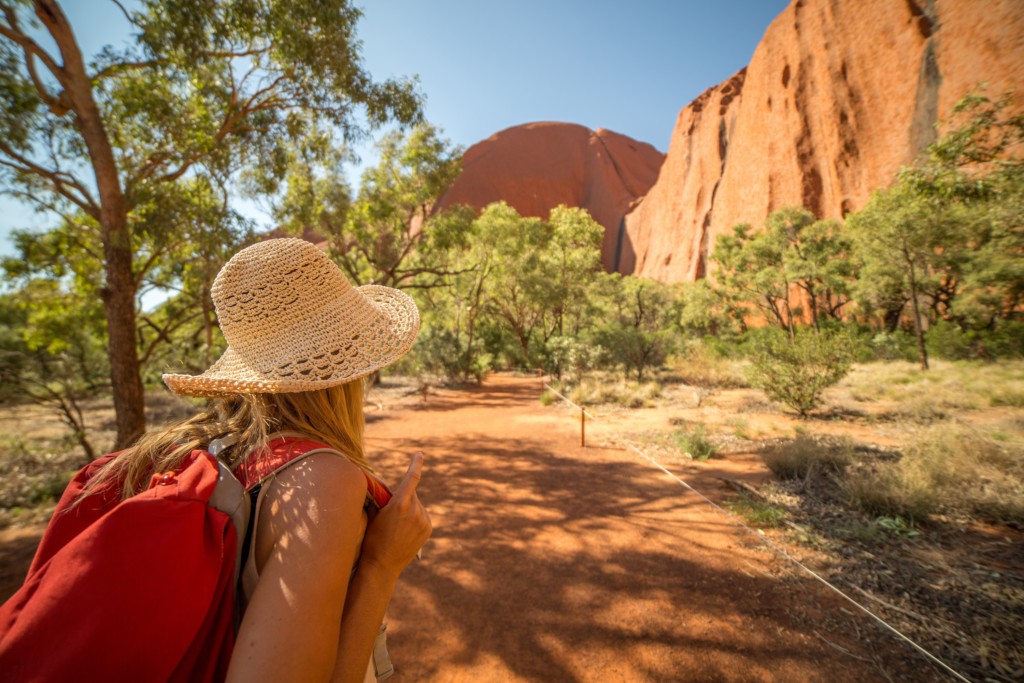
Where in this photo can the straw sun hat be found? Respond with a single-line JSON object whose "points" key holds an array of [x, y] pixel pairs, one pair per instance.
{"points": [[294, 323]]}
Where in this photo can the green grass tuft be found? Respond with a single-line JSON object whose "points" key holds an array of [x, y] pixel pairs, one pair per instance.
{"points": [[757, 513], [694, 442]]}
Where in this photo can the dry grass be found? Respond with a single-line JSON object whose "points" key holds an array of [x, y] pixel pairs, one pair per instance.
{"points": [[608, 389], [38, 455], [806, 455], [699, 367], [907, 392], [949, 468], [33, 478]]}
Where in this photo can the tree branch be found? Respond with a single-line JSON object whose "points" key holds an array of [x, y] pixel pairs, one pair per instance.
{"points": [[227, 127], [120, 67], [62, 182], [125, 12], [13, 32], [163, 333], [150, 262]]}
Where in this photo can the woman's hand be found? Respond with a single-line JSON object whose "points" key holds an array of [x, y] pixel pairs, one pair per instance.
{"points": [[400, 528]]}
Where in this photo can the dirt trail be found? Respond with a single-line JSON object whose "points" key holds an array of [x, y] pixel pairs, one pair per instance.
{"points": [[551, 562]]}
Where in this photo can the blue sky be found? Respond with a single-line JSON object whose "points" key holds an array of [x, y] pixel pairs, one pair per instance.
{"points": [[628, 66]]}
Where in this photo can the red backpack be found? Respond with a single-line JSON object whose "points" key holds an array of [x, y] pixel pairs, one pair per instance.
{"points": [[142, 589]]}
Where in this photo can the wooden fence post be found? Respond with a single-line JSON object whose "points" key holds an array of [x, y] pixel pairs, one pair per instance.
{"points": [[583, 427]]}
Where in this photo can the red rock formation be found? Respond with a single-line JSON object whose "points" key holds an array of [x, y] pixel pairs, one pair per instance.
{"points": [[537, 166], [837, 97]]}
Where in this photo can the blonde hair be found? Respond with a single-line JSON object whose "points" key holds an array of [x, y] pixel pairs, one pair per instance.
{"points": [[333, 416]]}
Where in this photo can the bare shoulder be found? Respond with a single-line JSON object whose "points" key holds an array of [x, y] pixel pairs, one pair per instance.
{"points": [[323, 473], [309, 533], [320, 495]]}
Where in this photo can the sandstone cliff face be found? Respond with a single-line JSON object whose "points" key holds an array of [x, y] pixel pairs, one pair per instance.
{"points": [[837, 96], [537, 166]]}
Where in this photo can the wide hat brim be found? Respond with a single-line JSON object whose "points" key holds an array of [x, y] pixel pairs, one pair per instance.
{"points": [[350, 354]]}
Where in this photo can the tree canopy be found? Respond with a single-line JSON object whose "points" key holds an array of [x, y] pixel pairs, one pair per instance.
{"points": [[205, 89]]}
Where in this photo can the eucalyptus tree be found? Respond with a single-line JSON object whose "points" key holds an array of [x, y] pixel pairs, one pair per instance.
{"points": [[311, 197], [518, 293], [750, 271], [204, 86], [947, 234], [975, 173], [51, 351], [817, 260], [900, 239], [794, 254], [573, 259], [638, 332], [386, 235]]}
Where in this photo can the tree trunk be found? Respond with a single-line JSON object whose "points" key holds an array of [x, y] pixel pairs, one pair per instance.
{"points": [[922, 352], [207, 327], [73, 419], [119, 307], [118, 293], [812, 297], [468, 363]]}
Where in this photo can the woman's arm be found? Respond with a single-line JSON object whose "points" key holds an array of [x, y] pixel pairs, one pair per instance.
{"points": [[392, 540], [291, 626], [305, 622]]}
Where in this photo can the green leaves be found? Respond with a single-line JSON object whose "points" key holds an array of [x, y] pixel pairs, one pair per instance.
{"points": [[794, 252], [388, 236], [141, 146], [950, 229], [797, 372]]}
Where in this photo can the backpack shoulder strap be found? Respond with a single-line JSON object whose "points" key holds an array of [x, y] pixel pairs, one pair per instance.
{"points": [[285, 450], [259, 470]]}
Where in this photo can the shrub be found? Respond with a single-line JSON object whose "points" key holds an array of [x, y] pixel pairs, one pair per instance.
{"points": [[635, 349], [801, 457], [797, 372], [898, 345], [574, 356], [946, 340], [694, 442], [440, 352]]}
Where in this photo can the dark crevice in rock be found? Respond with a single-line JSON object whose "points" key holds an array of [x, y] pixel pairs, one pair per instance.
{"points": [[723, 143], [925, 23], [700, 270], [926, 103], [615, 166], [811, 185], [619, 239]]}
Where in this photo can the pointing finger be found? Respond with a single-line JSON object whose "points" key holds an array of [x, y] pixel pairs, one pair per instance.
{"points": [[412, 476]]}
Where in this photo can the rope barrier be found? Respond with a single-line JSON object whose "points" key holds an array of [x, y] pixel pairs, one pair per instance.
{"points": [[781, 551], [569, 401]]}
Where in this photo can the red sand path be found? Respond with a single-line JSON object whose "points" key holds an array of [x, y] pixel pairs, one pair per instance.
{"points": [[551, 562]]}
